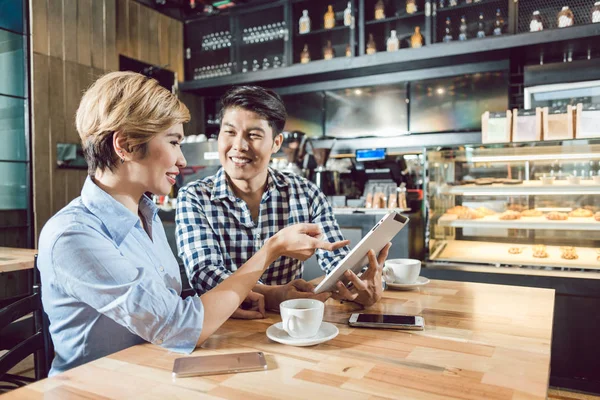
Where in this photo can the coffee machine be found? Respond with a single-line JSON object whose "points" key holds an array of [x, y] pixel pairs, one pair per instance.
{"points": [[325, 179], [294, 148]]}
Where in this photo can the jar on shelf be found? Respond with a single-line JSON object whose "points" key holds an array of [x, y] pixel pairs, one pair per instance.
{"points": [[305, 55], [379, 10], [536, 24], [304, 23], [416, 40], [596, 13], [371, 45], [565, 17], [329, 18]]}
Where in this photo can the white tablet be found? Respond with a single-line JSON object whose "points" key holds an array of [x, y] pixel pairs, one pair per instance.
{"points": [[381, 234]]}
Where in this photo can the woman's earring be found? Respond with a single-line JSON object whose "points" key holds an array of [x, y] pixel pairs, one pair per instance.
{"points": [[122, 158]]}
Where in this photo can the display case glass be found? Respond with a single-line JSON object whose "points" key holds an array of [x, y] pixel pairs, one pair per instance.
{"points": [[518, 207]]}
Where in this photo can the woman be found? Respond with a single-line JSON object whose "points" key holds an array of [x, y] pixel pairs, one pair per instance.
{"points": [[109, 278]]}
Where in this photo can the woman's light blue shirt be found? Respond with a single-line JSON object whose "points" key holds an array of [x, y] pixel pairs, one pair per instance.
{"points": [[108, 285]]}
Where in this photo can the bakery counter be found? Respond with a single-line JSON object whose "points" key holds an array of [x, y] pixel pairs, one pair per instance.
{"points": [[530, 257], [522, 222]]}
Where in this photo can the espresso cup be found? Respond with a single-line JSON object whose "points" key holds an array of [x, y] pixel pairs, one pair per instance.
{"points": [[401, 270], [301, 318]]}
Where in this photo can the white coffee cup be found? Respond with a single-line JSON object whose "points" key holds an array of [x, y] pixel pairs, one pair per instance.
{"points": [[401, 270], [301, 318]]}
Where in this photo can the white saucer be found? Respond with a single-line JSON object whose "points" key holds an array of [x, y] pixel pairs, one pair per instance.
{"points": [[421, 281], [326, 332]]}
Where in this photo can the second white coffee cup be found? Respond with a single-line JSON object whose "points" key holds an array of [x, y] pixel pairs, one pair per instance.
{"points": [[301, 318], [401, 270]]}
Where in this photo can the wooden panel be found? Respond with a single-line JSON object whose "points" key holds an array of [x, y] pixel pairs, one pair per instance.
{"points": [[179, 52], [57, 130], [84, 32], [39, 26], [70, 29], [134, 33], [174, 28], [122, 27], [153, 57], [55, 28], [98, 40], [163, 40], [144, 32], [41, 139], [72, 98], [112, 60]]}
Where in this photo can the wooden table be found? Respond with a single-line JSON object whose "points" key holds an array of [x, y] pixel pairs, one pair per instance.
{"points": [[480, 342], [13, 259]]}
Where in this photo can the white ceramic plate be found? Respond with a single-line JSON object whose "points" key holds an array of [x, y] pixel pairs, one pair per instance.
{"points": [[421, 281], [326, 332]]}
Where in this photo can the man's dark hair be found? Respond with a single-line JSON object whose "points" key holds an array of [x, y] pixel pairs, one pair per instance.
{"points": [[264, 102]]}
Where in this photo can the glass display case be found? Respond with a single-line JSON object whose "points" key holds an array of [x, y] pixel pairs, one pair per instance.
{"points": [[530, 208]]}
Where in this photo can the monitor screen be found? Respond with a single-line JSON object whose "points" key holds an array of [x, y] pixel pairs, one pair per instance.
{"points": [[456, 103], [366, 111], [370, 155]]}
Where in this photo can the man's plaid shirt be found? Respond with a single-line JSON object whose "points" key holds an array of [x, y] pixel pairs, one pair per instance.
{"points": [[216, 234]]}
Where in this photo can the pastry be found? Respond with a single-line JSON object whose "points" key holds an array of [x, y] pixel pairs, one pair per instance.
{"points": [[379, 200], [456, 210], [597, 216], [484, 181], [557, 216], [591, 208], [581, 213], [539, 251], [485, 211], [517, 207], [369, 201], [512, 181], [531, 213], [515, 250], [470, 214], [510, 215], [569, 253]]}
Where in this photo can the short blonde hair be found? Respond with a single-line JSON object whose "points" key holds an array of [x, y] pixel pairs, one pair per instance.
{"points": [[129, 103]]}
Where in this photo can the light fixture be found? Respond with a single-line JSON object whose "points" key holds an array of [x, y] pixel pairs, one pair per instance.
{"points": [[440, 91], [358, 92]]}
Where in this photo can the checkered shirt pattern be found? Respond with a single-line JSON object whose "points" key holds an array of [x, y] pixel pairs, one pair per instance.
{"points": [[216, 234]]}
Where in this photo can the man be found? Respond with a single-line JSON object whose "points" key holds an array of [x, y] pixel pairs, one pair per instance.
{"points": [[223, 219]]}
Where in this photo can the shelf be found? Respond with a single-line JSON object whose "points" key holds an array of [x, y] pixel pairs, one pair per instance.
{"points": [[472, 5], [561, 187], [492, 221], [246, 44], [433, 55], [369, 211], [319, 31], [395, 18], [497, 254]]}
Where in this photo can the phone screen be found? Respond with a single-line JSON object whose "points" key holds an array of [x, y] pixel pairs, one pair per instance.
{"points": [[221, 363], [386, 319]]}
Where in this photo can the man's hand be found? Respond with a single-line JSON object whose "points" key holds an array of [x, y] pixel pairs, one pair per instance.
{"points": [[300, 241], [296, 289], [368, 288], [253, 307]]}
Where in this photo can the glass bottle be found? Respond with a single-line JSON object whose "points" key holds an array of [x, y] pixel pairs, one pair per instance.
{"points": [[393, 44], [411, 6], [565, 17], [329, 18], [596, 13], [244, 66], [453, 3], [536, 24], [305, 55], [442, 4], [416, 40], [348, 51], [304, 22], [498, 24], [348, 15], [328, 52], [379, 10], [448, 36], [463, 29], [255, 65], [371, 45], [481, 27]]}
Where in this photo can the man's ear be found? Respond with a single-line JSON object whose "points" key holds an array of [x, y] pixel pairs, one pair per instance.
{"points": [[277, 143]]}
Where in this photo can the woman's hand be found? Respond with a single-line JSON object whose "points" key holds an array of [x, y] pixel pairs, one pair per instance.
{"points": [[300, 241]]}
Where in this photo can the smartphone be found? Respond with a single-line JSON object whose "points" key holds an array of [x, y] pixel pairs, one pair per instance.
{"points": [[219, 364], [409, 322]]}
